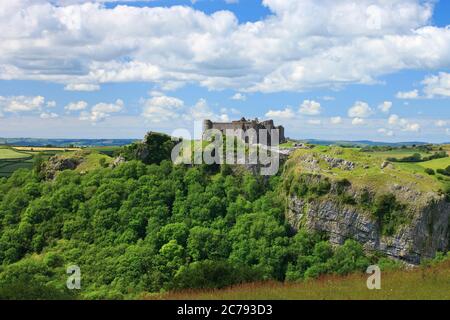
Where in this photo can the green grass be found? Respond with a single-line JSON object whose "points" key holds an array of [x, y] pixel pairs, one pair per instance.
{"points": [[368, 171], [92, 161], [7, 153], [288, 144], [367, 174], [399, 153], [108, 150], [436, 164], [422, 283], [12, 160]]}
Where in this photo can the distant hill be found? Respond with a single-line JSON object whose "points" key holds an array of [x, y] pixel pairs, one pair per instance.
{"points": [[65, 142], [361, 143], [121, 142]]}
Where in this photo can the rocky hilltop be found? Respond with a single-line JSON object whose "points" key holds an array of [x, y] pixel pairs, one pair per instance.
{"points": [[393, 209]]}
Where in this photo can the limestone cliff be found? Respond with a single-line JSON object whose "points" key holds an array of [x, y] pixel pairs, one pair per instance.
{"points": [[318, 200], [422, 238]]}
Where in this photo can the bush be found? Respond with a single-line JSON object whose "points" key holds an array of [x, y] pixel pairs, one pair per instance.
{"points": [[209, 274], [349, 258], [445, 172], [430, 171], [389, 213], [155, 148]]}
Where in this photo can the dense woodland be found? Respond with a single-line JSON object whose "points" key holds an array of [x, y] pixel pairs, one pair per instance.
{"points": [[153, 227]]}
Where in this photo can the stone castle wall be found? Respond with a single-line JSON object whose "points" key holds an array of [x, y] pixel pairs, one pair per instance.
{"points": [[245, 125]]}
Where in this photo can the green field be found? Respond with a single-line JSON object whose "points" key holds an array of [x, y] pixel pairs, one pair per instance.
{"points": [[7, 153], [399, 153], [436, 164], [12, 159]]}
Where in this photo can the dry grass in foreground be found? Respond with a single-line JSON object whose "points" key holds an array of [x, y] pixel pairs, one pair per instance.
{"points": [[424, 283]]}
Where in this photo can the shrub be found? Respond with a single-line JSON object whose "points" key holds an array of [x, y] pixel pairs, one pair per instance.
{"points": [[389, 213], [342, 185], [445, 172], [430, 171], [209, 274]]}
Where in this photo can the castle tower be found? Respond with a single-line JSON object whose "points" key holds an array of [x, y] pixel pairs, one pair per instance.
{"points": [[207, 125]]}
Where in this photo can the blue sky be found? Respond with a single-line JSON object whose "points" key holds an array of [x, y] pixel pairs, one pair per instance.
{"points": [[328, 70]]}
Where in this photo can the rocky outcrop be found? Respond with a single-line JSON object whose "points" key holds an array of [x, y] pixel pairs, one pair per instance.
{"points": [[58, 163], [427, 233], [117, 161], [339, 163]]}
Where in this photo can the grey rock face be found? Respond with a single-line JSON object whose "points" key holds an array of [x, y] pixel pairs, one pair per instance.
{"points": [[117, 161], [427, 234], [56, 163], [339, 163]]}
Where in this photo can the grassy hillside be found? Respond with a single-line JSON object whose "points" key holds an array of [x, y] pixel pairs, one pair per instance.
{"points": [[147, 226], [424, 283], [367, 172]]}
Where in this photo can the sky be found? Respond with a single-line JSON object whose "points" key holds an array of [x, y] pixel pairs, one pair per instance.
{"points": [[330, 69]]}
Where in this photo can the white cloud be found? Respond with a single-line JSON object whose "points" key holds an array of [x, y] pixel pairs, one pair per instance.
{"points": [[51, 104], [437, 85], [336, 120], [358, 121], [233, 111], [165, 109], [404, 124], [81, 87], [310, 108], [49, 115], [302, 44], [393, 119], [447, 131], [414, 94], [17, 104], [287, 113], [441, 123], [239, 97], [385, 106], [328, 98], [101, 111], [162, 108], [155, 93], [412, 127], [386, 132], [315, 122], [76, 106], [360, 110], [201, 111]]}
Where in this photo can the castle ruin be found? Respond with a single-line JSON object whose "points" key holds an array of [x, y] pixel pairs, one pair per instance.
{"points": [[243, 125]]}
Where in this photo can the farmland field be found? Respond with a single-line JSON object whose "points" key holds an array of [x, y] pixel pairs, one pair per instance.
{"points": [[14, 158], [41, 149], [11, 160], [7, 153]]}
